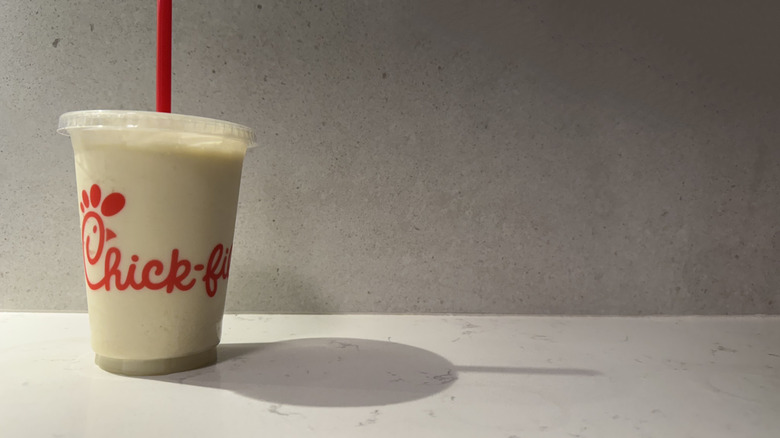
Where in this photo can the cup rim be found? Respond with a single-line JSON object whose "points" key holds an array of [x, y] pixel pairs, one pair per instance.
{"points": [[130, 119]]}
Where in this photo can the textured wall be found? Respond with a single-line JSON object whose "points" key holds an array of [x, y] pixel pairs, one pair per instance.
{"points": [[434, 156]]}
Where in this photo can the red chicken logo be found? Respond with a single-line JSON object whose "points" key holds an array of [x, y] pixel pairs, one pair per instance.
{"points": [[94, 233]]}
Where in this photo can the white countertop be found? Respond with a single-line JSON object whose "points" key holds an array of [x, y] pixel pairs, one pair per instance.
{"points": [[427, 376]]}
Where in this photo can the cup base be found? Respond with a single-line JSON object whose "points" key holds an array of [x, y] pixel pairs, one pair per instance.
{"points": [[156, 367]]}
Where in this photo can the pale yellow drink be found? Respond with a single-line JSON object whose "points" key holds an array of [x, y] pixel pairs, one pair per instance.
{"points": [[157, 199]]}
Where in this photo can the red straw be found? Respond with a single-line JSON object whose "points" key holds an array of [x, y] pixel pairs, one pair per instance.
{"points": [[164, 56]]}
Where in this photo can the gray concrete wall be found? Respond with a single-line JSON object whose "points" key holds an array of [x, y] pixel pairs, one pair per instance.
{"points": [[430, 156]]}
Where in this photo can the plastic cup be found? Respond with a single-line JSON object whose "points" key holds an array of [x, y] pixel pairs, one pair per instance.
{"points": [[157, 197]]}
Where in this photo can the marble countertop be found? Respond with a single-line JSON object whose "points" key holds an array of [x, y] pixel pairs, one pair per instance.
{"points": [[390, 376]]}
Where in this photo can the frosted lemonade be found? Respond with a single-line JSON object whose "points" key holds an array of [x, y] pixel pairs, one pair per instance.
{"points": [[157, 199]]}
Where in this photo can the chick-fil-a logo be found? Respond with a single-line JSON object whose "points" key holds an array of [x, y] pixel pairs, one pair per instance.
{"points": [[153, 274]]}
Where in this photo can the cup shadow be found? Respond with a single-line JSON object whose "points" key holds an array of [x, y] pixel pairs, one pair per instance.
{"points": [[324, 372], [343, 372]]}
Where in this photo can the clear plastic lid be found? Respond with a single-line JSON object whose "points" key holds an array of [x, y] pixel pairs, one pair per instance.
{"points": [[113, 119]]}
